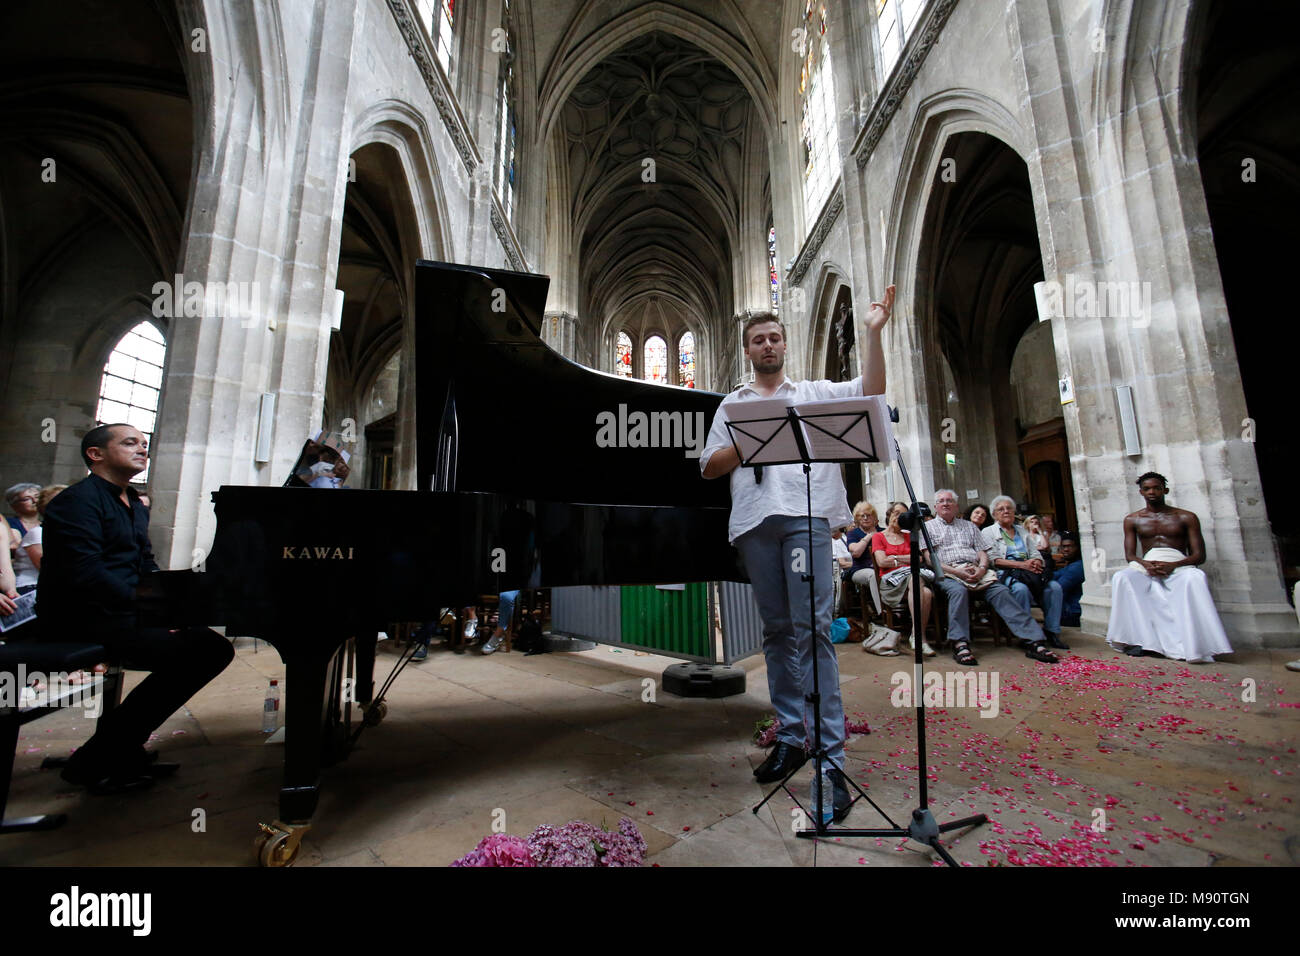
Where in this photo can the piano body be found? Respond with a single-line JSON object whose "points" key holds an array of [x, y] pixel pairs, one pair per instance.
{"points": [[508, 467]]}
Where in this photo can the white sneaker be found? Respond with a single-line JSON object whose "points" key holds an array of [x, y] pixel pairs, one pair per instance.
{"points": [[926, 649], [471, 628], [492, 645]]}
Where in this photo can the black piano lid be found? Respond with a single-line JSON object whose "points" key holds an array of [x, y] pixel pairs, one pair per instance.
{"points": [[510, 415]]}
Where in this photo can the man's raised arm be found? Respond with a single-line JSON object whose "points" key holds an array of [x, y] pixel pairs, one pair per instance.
{"points": [[873, 355]]}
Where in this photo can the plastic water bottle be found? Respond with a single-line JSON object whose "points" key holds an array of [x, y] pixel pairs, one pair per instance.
{"points": [[271, 708], [827, 811]]}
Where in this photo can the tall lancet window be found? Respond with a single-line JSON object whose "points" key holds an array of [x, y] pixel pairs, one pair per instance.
{"points": [[686, 360], [132, 382], [895, 20], [656, 360], [623, 355], [505, 120], [821, 158], [773, 277], [439, 17]]}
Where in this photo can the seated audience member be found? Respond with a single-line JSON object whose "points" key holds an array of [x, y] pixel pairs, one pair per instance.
{"points": [[95, 570], [1037, 540], [506, 601], [1021, 569], [8, 591], [979, 516], [841, 566], [892, 551], [963, 557], [1069, 575], [1047, 523], [27, 559], [22, 502], [1161, 602], [863, 573]]}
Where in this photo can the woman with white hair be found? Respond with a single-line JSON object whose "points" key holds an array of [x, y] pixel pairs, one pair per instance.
{"points": [[21, 499], [1019, 565]]}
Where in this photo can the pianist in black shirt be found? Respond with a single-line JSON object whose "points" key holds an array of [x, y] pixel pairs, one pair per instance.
{"points": [[94, 578]]}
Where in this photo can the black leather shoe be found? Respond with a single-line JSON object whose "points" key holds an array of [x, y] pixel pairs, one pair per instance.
{"points": [[842, 800], [1054, 640], [119, 783], [144, 763], [784, 760], [157, 770], [1134, 650]]}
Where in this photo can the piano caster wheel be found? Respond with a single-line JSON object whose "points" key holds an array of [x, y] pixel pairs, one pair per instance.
{"points": [[277, 845], [375, 713]]}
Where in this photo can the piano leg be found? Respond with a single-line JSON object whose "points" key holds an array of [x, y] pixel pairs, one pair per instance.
{"points": [[365, 683], [311, 701]]}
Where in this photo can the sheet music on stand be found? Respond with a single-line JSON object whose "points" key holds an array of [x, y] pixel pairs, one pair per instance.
{"points": [[839, 429], [26, 612]]}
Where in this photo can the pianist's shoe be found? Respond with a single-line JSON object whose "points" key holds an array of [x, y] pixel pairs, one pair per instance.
{"points": [[104, 778], [494, 644]]}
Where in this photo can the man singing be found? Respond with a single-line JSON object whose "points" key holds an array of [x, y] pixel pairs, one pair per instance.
{"points": [[94, 574], [769, 527], [1162, 601]]}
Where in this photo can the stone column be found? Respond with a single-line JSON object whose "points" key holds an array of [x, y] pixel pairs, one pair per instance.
{"points": [[266, 211], [1124, 227]]}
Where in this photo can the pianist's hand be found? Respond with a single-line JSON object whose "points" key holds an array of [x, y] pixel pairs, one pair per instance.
{"points": [[7, 605]]}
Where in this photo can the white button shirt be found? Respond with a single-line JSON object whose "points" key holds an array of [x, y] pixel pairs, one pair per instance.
{"points": [[782, 491]]}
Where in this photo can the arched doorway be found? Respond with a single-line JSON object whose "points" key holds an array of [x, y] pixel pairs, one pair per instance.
{"points": [[1248, 146], [377, 251], [992, 368]]}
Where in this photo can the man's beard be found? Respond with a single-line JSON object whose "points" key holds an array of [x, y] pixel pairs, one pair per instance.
{"points": [[774, 364]]}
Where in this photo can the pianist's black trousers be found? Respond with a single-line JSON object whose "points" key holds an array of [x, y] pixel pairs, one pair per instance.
{"points": [[180, 662]]}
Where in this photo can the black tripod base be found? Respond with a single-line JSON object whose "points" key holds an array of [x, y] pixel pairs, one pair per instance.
{"points": [[923, 829]]}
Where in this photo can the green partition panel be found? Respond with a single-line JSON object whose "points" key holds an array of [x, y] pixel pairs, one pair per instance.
{"points": [[670, 622]]}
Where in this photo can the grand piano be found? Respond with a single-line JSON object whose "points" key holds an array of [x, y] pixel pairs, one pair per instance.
{"points": [[514, 492]]}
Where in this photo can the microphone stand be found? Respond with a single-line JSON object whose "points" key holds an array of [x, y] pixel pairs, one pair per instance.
{"points": [[923, 827]]}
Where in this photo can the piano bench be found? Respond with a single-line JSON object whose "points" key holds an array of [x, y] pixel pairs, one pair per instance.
{"points": [[18, 661]]}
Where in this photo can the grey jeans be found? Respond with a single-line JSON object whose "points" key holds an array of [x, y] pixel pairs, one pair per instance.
{"points": [[775, 557], [1000, 599]]}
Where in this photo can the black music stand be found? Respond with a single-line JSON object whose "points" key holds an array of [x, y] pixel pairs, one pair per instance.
{"points": [[922, 828], [760, 456]]}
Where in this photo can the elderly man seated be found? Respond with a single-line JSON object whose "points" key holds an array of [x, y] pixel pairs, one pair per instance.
{"points": [[1161, 602], [963, 556], [1020, 567]]}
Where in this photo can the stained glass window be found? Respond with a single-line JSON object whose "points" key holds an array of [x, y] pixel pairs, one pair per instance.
{"points": [[656, 359], [774, 277], [686, 360], [623, 356], [821, 160], [132, 381]]}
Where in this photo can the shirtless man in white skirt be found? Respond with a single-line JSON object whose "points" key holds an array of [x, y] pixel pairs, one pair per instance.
{"points": [[1161, 602]]}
